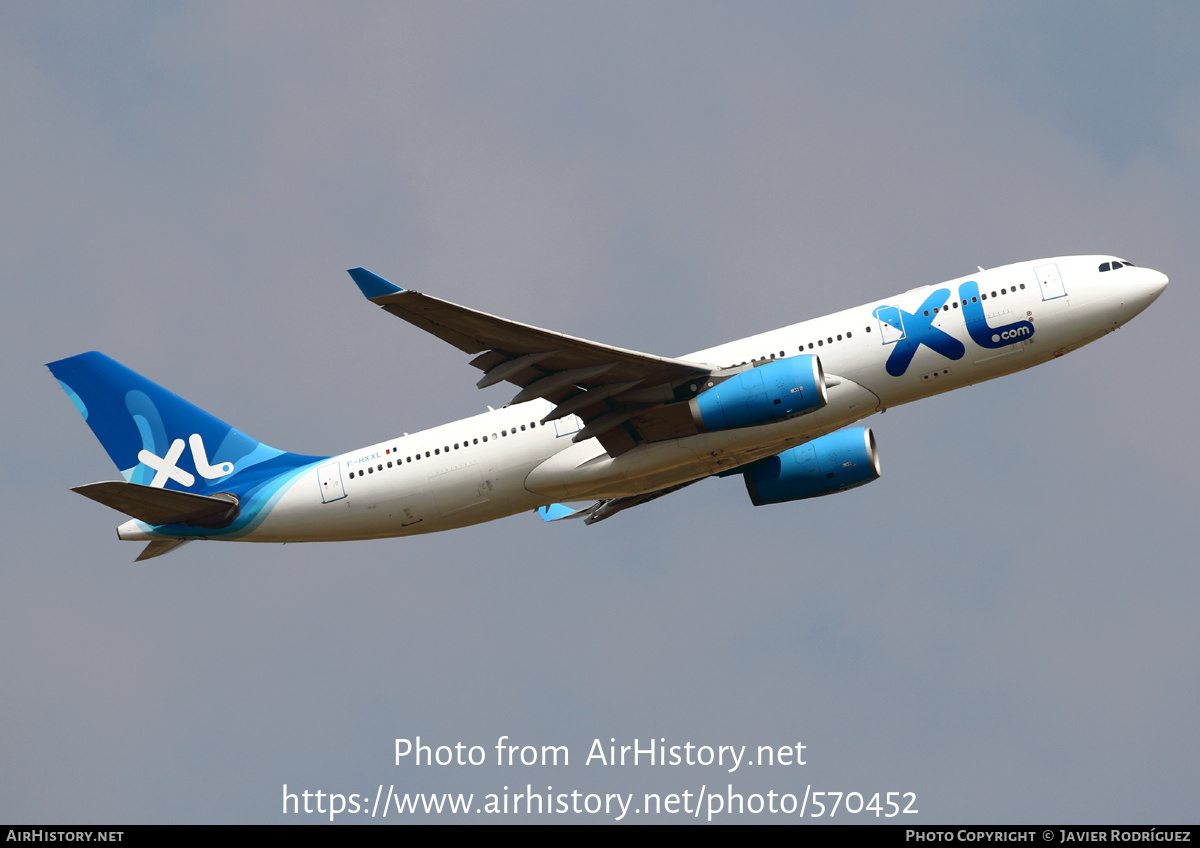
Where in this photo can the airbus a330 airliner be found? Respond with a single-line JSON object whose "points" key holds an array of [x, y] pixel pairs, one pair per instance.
{"points": [[591, 422]]}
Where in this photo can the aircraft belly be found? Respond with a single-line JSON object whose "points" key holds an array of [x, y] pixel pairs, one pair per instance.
{"points": [[584, 471], [469, 497], [459, 489]]}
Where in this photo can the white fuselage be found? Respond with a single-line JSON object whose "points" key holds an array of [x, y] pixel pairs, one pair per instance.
{"points": [[504, 461]]}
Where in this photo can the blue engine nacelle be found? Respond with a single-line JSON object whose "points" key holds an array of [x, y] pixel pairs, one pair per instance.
{"points": [[830, 464], [771, 392]]}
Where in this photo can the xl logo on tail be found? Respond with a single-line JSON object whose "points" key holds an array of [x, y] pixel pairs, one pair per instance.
{"points": [[166, 469]]}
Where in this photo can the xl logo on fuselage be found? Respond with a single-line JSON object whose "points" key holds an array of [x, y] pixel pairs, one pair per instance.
{"points": [[908, 331], [166, 469]]}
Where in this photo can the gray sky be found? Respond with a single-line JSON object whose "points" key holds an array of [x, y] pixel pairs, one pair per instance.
{"points": [[1003, 624]]}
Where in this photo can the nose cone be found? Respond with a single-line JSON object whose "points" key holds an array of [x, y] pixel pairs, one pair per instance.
{"points": [[1158, 281], [1148, 285]]}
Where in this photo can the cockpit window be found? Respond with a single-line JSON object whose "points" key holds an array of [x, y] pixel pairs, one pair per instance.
{"points": [[1106, 266], [1121, 263]]}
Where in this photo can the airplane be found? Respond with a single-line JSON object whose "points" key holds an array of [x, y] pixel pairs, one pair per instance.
{"points": [[592, 422]]}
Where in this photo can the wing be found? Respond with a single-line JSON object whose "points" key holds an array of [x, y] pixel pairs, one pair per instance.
{"points": [[623, 397]]}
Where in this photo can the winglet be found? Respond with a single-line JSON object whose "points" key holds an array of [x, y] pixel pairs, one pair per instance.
{"points": [[555, 511], [372, 285]]}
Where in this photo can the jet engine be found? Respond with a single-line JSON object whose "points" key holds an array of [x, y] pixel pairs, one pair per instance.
{"points": [[771, 392], [829, 464]]}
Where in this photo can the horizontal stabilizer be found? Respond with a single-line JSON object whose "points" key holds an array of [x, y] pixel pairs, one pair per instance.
{"points": [[163, 506], [160, 547]]}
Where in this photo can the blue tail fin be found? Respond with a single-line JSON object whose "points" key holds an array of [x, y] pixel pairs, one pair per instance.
{"points": [[158, 439]]}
